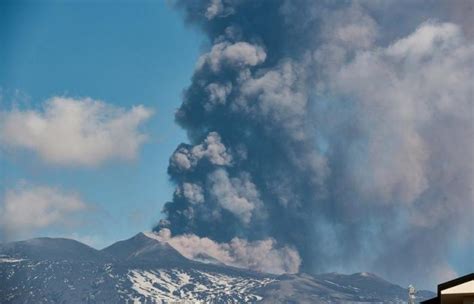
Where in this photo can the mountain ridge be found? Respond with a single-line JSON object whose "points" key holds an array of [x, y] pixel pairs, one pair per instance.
{"points": [[143, 269]]}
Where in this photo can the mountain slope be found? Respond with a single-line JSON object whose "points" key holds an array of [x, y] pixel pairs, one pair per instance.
{"points": [[142, 248], [144, 270], [51, 249]]}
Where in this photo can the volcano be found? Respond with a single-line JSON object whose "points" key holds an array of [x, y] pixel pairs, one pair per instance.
{"points": [[143, 269]]}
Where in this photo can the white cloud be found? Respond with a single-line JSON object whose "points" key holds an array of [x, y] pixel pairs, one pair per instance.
{"points": [[70, 132], [263, 255], [27, 208]]}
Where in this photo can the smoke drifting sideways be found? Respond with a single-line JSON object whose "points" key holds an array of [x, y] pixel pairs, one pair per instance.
{"points": [[338, 133]]}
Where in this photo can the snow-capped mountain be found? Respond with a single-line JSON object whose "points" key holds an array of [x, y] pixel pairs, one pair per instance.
{"points": [[144, 270]]}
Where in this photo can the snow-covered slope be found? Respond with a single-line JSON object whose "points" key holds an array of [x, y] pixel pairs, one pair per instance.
{"points": [[196, 286], [144, 270]]}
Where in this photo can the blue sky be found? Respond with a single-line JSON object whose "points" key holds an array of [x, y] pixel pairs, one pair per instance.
{"points": [[88, 91], [119, 53]]}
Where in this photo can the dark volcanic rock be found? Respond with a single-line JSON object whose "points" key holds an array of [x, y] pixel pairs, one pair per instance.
{"points": [[145, 270]]}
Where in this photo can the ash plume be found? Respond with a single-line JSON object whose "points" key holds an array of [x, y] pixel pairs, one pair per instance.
{"points": [[342, 131]]}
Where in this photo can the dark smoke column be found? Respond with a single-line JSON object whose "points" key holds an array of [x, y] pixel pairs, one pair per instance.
{"points": [[339, 129], [252, 168]]}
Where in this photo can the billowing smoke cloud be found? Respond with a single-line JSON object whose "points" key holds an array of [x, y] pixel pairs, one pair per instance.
{"points": [[262, 255], [342, 129]]}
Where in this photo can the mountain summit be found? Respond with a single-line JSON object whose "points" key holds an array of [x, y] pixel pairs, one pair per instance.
{"points": [[143, 248], [143, 269]]}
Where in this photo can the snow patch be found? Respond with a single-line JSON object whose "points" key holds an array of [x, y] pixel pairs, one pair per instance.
{"points": [[163, 286], [10, 260]]}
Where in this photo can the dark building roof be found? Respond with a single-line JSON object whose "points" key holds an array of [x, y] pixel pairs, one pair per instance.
{"points": [[449, 284], [431, 301]]}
